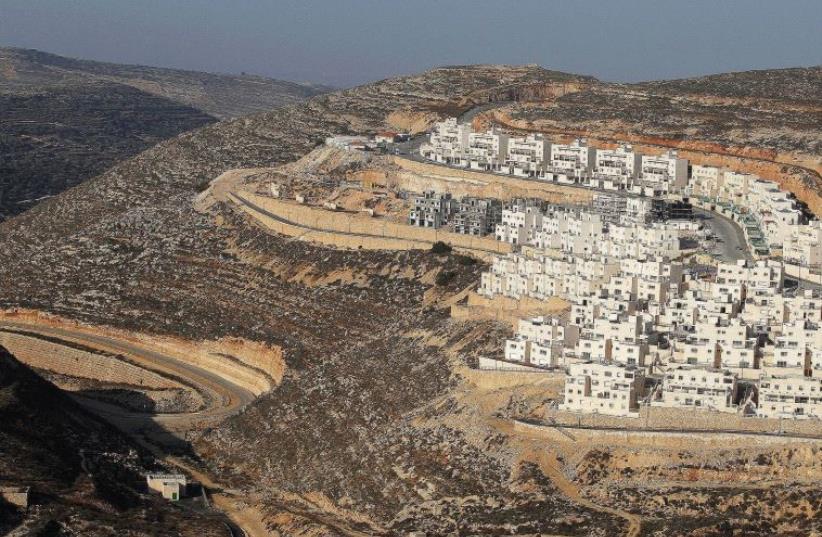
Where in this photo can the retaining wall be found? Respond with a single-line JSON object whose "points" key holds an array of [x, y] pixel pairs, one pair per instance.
{"points": [[73, 362], [355, 231], [418, 176], [677, 418]]}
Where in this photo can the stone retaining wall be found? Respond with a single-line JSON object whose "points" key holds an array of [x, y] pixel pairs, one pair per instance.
{"points": [[418, 176], [355, 231], [73, 362], [680, 418]]}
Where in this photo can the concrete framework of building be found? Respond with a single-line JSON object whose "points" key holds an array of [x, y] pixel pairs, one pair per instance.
{"points": [[770, 218], [467, 215]]}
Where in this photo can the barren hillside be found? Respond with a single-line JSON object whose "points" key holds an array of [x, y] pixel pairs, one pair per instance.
{"points": [[378, 426], [63, 121], [218, 95]]}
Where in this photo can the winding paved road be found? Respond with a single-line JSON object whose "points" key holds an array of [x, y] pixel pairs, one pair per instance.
{"points": [[223, 397]]}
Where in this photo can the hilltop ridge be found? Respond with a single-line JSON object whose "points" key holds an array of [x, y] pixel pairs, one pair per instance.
{"points": [[219, 95], [64, 120]]}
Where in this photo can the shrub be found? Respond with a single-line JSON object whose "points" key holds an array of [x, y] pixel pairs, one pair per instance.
{"points": [[465, 260], [203, 185], [440, 247], [444, 277]]}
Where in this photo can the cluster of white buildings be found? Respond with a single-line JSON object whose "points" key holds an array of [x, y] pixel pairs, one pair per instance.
{"points": [[767, 213], [533, 156], [770, 217], [646, 329]]}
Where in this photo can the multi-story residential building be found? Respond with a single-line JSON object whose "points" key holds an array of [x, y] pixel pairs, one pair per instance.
{"points": [[432, 209], [447, 143], [806, 305], [575, 159], [486, 151], [790, 354], [790, 397], [763, 307], [691, 387], [620, 165], [696, 351], [610, 206], [611, 389], [734, 187], [476, 216], [705, 181], [667, 171], [519, 224], [527, 155], [774, 209], [801, 251], [643, 210], [540, 341], [632, 353]]}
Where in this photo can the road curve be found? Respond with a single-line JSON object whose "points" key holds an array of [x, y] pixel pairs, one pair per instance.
{"points": [[223, 397]]}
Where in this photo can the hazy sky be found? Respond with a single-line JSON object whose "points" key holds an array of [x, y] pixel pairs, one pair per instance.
{"points": [[347, 42]]}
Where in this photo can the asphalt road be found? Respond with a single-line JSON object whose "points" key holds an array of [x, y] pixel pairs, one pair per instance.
{"points": [[223, 397], [731, 244]]}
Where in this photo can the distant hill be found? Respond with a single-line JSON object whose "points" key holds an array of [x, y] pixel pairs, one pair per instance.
{"points": [[63, 120], [218, 95], [85, 476], [802, 84]]}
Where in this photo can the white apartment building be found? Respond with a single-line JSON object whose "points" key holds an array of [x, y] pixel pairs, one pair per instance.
{"points": [[763, 307], [802, 250], [806, 305], [519, 225], [701, 388], [705, 181], [527, 155], [631, 353], [447, 143], [775, 210], [667, 171], [485, 150], [790, 397], [575, 159], [695, 351], [540, 341], [621, 163], [603, 388], [734, 187]]}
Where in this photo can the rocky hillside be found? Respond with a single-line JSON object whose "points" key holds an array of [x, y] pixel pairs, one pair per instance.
{"points": [[85, 478], [375, 424], [763, 122], [220, 96], [63, 121]]}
